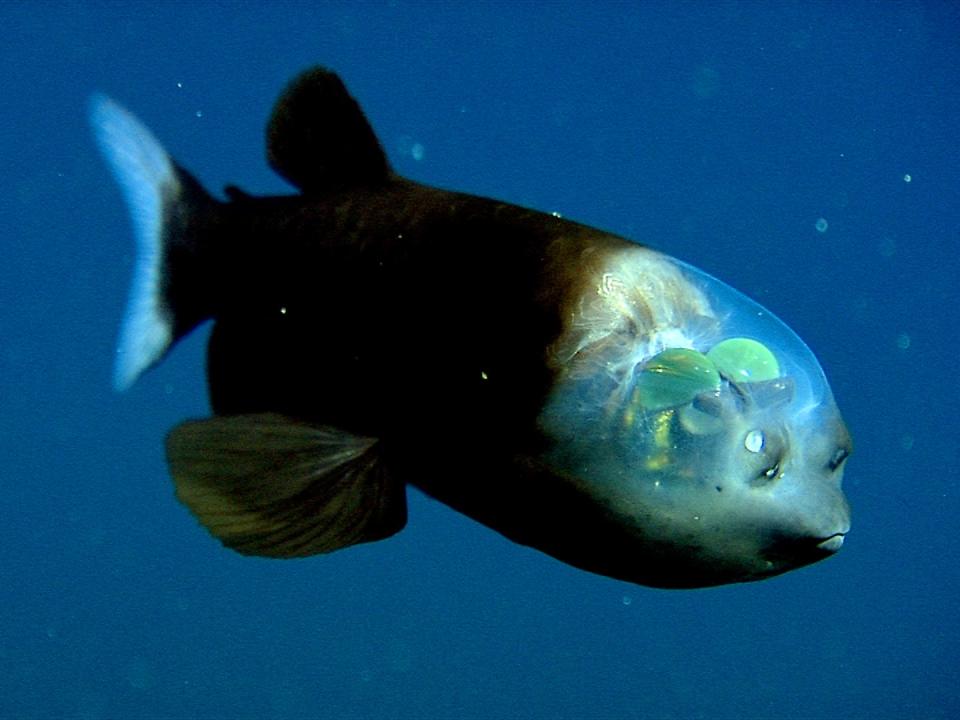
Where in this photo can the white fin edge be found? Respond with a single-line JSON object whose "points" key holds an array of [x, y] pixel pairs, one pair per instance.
{"points": [[148, 181]]}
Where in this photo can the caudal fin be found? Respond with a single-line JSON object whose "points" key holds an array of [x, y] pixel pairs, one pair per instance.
{"points": [[166, 206]]}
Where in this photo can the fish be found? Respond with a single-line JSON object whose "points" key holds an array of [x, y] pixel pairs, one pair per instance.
{"points": [[578, 392]]}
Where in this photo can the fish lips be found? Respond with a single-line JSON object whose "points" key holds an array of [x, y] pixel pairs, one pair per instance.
{"points": [[833, 543], [793, 552]]}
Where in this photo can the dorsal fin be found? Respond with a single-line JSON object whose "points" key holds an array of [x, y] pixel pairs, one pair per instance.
{"points": [[319, 139]]}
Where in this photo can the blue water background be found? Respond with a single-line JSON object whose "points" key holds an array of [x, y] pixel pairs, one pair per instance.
{"points": [[720, 132]]}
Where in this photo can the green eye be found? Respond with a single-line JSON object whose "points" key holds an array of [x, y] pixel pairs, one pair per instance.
{"points": [[744, 360], [675, 377]]}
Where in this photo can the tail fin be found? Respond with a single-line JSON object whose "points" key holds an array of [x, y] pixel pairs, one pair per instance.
{"points": [[166, 206]]}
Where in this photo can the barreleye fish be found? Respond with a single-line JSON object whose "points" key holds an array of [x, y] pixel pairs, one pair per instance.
{"points": [[577, 392]]}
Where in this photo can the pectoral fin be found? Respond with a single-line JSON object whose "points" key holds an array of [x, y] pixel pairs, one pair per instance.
{"points": [[268, 485]]}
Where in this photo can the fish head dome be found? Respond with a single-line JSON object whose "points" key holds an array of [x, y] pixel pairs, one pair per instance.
{"points": [[699, 421]]}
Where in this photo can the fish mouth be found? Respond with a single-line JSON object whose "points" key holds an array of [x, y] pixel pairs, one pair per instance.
{"points": [[790, 553], [833, 543]]}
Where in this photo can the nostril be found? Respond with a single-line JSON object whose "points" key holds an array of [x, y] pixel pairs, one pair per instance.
{"points": [[839, 455]]}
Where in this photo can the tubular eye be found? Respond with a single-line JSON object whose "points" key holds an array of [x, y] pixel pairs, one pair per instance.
{"points": [[836, 460]]}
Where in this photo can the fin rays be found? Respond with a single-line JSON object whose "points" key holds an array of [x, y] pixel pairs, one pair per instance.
{"points": [[267, 485]]}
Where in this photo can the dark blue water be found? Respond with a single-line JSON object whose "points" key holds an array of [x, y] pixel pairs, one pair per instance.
{"points": [[719, 132]]}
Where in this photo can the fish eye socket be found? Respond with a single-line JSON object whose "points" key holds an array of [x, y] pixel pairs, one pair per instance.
{"points": [[771, 472], [768, 451], [838, 457]]}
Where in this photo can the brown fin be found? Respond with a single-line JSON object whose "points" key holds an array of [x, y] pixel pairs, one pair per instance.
{"points": [[319, 139], [268, 485]]}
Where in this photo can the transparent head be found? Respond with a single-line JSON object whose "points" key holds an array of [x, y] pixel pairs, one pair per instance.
{"points": [[699, 420]]}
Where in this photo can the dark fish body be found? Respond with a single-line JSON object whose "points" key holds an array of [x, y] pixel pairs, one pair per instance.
{"points": [[564, 386]]}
